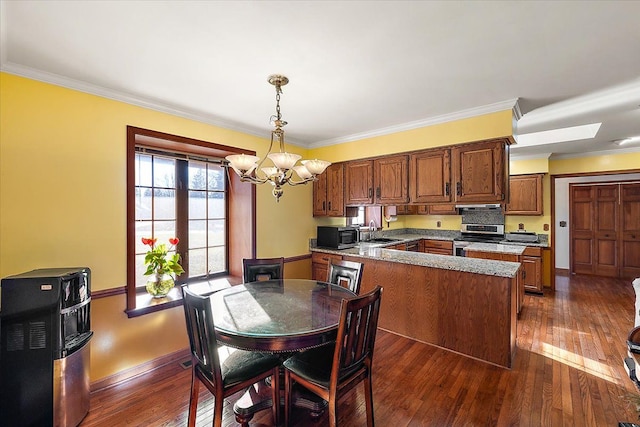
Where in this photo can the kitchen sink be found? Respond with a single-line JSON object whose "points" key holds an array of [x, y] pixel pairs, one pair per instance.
{"points": [[382, 240]]}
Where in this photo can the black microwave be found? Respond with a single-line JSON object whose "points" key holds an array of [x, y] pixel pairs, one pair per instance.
{"points": [[337, 237]]}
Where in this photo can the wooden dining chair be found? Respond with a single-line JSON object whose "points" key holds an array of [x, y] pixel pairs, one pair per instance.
{"points": [[237, 372], [332, 370], [256, 269], [347, 274]]}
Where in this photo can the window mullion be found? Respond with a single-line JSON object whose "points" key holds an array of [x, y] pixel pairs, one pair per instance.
{"points": [[182, 215]]}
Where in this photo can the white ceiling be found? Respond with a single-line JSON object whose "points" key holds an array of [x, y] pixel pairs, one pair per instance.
{"points": [[356, 68]]}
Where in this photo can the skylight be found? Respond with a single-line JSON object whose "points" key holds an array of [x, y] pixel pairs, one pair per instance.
{"points": [[574, 133]]}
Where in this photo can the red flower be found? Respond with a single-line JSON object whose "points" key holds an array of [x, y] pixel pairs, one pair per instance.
{"points": [[174, 241], [149, 242]]}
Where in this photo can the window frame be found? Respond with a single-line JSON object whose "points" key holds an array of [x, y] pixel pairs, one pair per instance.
{"points": [[241, 226]]}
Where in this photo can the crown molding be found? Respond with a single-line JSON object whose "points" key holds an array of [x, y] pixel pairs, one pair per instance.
{"points": [[595, 153], [459, 115], [513, 156], [151, 104]]}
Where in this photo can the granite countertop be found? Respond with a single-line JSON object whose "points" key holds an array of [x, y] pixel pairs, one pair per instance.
{"points": [[445, 262], [496, 248]]}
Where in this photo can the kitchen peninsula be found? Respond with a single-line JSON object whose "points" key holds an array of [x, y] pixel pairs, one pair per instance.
{"points": [[461, 304]]}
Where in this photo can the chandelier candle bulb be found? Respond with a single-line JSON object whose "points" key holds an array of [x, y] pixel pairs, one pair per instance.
{"points": [[302, 172], [284, 160], [315, 167], [242, 163]]}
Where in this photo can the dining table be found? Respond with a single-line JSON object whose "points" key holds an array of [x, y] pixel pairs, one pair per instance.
{"points": [[281, 316]]}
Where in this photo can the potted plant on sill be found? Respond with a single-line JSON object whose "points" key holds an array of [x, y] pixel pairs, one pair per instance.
{"points": [[161, 267]]}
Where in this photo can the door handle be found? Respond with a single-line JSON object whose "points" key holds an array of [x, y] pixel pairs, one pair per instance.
{"points": [[329, 205], [446, 189], [459, 188], [370, 192], [378, 193], [324, 208]]}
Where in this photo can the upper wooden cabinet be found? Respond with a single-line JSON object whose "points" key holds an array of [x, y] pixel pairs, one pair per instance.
{"points": [[391, 179], [328, 192], [468, 173], [359, 182], [430, 176], [525, 195], [480, 171], [381, 181]]}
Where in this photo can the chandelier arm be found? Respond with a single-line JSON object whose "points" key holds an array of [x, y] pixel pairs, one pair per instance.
{"points": [[304, 181]]}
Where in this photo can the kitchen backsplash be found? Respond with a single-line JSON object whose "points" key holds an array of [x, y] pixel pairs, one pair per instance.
{"points": [[492, 216]]}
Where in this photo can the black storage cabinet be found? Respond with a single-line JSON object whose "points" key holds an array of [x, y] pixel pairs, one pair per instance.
{"points": [[45, 329]]}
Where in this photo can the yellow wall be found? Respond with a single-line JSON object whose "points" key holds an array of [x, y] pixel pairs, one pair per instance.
{"points": [[602, 163], [62, 204]]}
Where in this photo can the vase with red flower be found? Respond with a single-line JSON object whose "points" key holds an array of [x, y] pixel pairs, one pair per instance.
{"points": [[162, 267]]}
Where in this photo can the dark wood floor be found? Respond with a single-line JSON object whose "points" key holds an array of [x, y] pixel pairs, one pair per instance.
{"points": [[568, 372]]}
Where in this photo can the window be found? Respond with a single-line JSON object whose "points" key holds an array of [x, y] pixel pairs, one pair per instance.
{"points": [[179, 187], [194, 212]]}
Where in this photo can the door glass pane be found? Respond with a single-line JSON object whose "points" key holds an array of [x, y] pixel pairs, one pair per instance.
{"points": [[216, 205], [217, 260], [164, 204], [216, 232], [197, 234], [197, 176], [197, 204], [143, 229], [144, 208], [216, 175], [164, 172], [143, 170], [197, 262]]}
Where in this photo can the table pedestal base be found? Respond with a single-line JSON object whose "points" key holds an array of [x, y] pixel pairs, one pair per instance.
{"points": [[258, 398]]}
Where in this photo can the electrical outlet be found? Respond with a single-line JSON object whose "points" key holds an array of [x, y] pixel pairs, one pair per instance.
{"points": [[521, 226], [545, 227]]}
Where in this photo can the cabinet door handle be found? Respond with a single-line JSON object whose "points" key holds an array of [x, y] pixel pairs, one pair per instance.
{"points": [[459, 188], [370, 192], [329, 205], [446, 189], [324, 208], [378, 192]]}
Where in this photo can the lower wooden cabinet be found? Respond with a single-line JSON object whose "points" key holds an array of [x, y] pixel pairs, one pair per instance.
{"points": [[504, 257], [320, 264], [438, 247], [532, 266]]}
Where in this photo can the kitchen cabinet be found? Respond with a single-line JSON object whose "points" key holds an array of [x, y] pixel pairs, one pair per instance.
{"points": [[504, 257], [430, 176], [383, 181], [480, 170], [328, 192], [532, 269], [438, 247], [439, 209], [359, 182], [320, 264], [406, 210], [525, 195]]}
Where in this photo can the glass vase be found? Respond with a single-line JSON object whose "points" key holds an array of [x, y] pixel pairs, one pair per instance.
{"points": [[159, 285]]}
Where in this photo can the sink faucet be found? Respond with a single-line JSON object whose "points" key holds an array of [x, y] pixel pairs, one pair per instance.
{"points": [[372, 229]]}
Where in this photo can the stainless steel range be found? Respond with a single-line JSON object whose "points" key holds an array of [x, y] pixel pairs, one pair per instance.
{"points": [[472, 233]]}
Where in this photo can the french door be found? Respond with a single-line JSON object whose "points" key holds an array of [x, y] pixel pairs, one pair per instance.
{"points": [[605, 229]]}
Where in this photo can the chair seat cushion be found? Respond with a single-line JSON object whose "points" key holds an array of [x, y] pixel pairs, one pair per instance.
{"points": [[242, 365], [314, 365]]}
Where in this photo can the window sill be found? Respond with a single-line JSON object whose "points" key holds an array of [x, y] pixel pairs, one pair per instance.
{"points": [[146, 304]]}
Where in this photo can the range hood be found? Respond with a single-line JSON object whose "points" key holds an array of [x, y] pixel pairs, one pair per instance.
{"points": [[480, 207]]}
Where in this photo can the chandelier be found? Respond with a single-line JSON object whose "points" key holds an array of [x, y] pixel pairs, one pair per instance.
{"points": [[250, 169]]}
